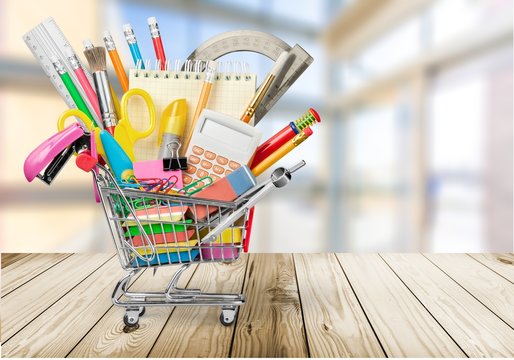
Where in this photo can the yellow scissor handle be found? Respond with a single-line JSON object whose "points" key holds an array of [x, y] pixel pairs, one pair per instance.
{"points": [[124, 133], [87, 122]]}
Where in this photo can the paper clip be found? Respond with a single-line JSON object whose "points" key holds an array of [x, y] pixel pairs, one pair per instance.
{"points": [[190, 189]]}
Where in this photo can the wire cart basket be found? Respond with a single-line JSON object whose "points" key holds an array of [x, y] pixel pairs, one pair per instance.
{"points": [[151, 229]]}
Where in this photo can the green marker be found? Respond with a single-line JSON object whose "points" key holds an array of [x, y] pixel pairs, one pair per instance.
{"points": [[72, 89]]}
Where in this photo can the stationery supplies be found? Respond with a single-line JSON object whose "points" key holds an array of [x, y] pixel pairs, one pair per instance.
{"points": [[97, 62], [155, 169], [282, 151], [47, 39], [202, 101], [72, 89], [262, 43], [116, 61], [265, 86], [124, 133], [133, 46], [75, 64], [230, 94], [223, 247], [157, 42], [118, 160], [267, 148], [173, 122], [220, 145]]}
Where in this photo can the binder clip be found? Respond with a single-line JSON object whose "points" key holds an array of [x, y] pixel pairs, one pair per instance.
{"points": [[176, 162]]}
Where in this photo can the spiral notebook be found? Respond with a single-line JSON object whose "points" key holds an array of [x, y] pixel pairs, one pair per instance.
{"points": [[231, 93]]}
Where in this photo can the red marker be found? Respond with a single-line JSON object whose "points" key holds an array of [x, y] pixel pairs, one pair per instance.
{"points": [[157, 41]]}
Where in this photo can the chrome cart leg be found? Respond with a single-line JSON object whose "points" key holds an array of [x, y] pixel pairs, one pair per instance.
{"points": [[172, 288]]}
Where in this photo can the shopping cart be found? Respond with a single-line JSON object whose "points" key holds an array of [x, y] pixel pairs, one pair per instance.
{"points": [[152, 229]]}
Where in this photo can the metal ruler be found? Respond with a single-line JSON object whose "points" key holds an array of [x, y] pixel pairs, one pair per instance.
{"points": [[262, 43], [47, 39]]}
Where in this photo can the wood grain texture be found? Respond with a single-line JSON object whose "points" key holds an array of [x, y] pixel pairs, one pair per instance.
{"points": [[402, 324], [502, 264], [270, 323], [193, 332], [27, 268], [488, 287], [25, 303], [11, 258], [477, 331], [335, 323], [56, 331], [107, 338]]}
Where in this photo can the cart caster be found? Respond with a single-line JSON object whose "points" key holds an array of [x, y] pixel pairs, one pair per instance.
{"points": [[131, 317], [228, 316]]}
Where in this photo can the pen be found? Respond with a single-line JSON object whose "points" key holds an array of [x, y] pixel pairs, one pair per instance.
{"points": [[116, 61], [263, 89], [84, 82], [157, 41], [210, 75], [133, 46], [70, 86], [267, 148], [281, 152]]}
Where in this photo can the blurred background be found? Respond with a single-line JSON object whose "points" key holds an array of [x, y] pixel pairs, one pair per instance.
{"points": [[414, 152]]}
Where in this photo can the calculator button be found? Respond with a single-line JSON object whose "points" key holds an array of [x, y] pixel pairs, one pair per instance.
{"points": [[186, 179], [210, 155], [200, 184], [194, 159], [191, 169], [201, 173], [206, 165], [222, 160], [197, 150], [228, 172], [233, 165], [218, 169], [214, 178]]}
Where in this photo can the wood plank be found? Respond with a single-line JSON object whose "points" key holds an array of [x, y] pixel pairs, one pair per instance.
{"points": [[27, 268], [200, 332], [488, 287], [107, 338], [25, 303], [502, 264], [335, 323], [477, 331], [56, 331], [270, 323], [402, 324], [11, 258]]}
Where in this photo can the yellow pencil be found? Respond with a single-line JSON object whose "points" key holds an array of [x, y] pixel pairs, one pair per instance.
{"points": [[281, 152], [202, 102]]}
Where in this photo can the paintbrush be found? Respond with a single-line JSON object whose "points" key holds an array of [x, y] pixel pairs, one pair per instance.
{"points": [[96, 57]]}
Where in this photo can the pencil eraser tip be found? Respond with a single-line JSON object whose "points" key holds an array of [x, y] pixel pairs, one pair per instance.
{"points": [[106, 33], [87, 43], [315, 114], [127, 27], [53, 58], [152, 20]]}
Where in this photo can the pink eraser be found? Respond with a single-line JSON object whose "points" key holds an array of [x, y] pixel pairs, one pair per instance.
{"points": [[154, 169]]}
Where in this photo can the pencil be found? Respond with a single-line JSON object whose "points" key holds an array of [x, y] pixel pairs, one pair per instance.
{"points": [[116, 61], [210, 75], [281, 152]]}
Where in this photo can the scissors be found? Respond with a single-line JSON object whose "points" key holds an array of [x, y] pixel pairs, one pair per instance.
{"points": [[124, 133]]}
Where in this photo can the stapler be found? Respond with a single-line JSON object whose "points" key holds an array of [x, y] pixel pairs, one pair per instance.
{"points": [[55, 152]]}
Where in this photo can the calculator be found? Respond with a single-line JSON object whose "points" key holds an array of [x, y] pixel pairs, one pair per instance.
{"points": [[220, 144]]}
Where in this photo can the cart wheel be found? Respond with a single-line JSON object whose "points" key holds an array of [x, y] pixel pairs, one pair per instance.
{"points": [[227, 316], [131, 318]]}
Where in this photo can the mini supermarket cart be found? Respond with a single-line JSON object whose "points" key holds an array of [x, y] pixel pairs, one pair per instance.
{"points": [[154, 229]]}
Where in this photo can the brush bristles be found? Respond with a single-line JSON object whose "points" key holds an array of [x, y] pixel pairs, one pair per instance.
{"points": [[96, 58]]}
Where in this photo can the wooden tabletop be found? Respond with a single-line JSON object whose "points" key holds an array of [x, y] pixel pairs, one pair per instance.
{"points": [[298, 305]]}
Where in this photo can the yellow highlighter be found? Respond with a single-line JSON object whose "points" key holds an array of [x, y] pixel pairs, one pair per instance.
{"points": [[173, 122]]}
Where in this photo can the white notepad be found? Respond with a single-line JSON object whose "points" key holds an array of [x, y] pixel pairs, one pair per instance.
{"points": [[230, 94]]}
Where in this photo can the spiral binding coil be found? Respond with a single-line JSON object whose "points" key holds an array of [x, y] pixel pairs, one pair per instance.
{"points": [[237, 70]]}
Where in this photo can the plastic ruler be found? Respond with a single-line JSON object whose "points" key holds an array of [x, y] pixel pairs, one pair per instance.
{"points": [[262, 43], [47, 39]]}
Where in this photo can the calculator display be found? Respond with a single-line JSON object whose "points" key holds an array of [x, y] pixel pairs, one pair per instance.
{"points": [[226, 135]]}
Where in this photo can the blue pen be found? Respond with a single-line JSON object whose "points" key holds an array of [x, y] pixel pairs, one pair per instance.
{"points": [[132, 43]]}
